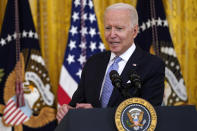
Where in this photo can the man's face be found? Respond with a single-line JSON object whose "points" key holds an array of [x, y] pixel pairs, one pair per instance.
{"points": [[118, 30]]}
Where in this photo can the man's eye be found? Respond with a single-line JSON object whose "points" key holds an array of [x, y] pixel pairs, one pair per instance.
{"points": [[119, 28], [107, 28]]}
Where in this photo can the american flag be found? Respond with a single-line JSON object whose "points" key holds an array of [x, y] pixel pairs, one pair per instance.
{"points": [[84, 40], [14, 115]]}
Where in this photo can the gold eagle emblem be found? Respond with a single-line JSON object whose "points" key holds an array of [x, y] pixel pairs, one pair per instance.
{"points": [[135, 117]]}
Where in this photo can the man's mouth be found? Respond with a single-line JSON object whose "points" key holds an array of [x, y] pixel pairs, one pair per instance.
{"points": [[114, 43]]}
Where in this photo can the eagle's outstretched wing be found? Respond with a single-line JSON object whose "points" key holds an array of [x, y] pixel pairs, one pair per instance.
{"points": [[130, 118], [141, 116]]}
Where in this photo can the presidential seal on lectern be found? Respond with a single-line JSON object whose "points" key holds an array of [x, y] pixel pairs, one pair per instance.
{"points": [[135, 114]]}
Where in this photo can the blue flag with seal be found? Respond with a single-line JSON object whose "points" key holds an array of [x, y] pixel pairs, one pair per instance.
{"points": [[26, 100], [154, 31]]}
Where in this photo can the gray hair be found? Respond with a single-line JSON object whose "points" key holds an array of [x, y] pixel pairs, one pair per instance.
{"points": [[132, 10]]}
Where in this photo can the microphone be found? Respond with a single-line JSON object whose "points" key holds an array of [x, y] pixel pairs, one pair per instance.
{"points": [[135, 79], [115, 79], [135, 82], [117, 83]]}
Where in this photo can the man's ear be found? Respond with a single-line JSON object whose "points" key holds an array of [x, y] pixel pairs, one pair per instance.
{"points": [[135, 31]]}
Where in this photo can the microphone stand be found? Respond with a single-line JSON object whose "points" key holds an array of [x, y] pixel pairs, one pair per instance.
{"points": [[125, 91]]}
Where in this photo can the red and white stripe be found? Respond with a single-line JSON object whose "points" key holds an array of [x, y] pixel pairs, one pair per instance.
{"points": [[67, 86], [13, 115]]}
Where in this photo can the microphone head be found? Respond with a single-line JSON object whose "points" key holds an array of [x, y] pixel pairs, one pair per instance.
{"points": [[115, 78], [135, 79], [113, 74]]}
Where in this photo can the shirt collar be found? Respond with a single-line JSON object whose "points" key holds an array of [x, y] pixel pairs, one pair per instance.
{"points": [[126, 55]]}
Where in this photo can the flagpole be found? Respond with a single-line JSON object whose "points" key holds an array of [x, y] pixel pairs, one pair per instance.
{"points": [[19, 89], [83, 38], [154, 28]]}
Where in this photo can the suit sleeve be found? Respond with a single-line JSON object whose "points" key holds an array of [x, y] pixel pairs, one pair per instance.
{"points": [[78, 96]]}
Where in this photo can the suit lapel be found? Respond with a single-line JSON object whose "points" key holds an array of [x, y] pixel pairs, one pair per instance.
{"points": [[132, 63]]}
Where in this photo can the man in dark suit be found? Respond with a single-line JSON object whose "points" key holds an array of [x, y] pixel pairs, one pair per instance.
{"points": [[121, 27]]}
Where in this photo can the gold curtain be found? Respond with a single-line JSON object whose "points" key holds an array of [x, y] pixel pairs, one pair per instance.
{"points": [[52, 21]]}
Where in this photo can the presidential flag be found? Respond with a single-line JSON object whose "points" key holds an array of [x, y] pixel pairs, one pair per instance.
{"points": [[26, 100], [84, 40], [154, 31]]}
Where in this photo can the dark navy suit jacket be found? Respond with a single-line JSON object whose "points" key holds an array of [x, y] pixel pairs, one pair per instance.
{"points": [[150, 68]]}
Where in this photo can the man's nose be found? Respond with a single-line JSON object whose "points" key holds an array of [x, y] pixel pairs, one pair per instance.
{"points": [[113, 33]]}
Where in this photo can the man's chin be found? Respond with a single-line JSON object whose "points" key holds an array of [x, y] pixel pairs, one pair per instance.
{"points": [[117, 52], [114, 48]]}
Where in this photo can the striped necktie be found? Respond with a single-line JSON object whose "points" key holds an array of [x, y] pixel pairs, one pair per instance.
{"points": [[108, 87]]}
